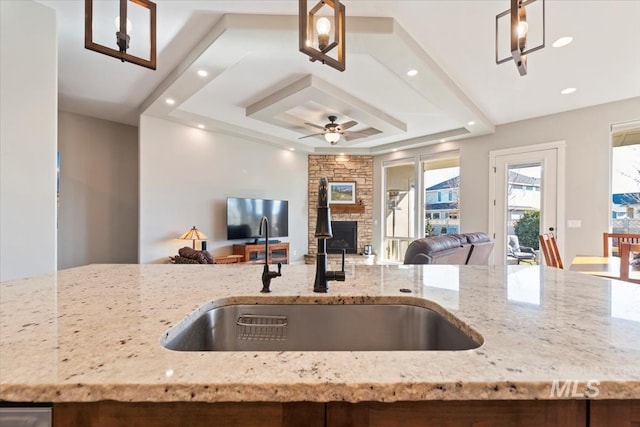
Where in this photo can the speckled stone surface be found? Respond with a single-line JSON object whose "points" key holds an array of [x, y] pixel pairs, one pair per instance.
{"points": [[93, 333]]}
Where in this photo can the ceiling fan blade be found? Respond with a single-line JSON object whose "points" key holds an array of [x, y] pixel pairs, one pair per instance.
{"points": [[309, 136], [359, 134], [314, 125], [364, 132], [347, 125]]}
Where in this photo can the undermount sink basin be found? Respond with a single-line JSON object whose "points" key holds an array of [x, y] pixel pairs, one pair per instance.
{"points": [[318, 327]]}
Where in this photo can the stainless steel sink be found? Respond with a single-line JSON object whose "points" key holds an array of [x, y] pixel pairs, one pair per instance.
{"points": [[318, 327]]}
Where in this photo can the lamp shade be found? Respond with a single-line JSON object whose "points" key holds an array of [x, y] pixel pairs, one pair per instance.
{"points": [[193, 234]]}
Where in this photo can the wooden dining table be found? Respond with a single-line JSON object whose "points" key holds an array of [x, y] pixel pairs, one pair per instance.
{"points": [[608, 267]]}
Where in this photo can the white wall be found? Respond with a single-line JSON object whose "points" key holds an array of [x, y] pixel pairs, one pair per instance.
{"points": [[586, 133], [186, 175], [98, 207], [28, 123]]}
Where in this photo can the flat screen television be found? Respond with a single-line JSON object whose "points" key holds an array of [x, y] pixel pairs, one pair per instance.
{"points": [[243, 217]]}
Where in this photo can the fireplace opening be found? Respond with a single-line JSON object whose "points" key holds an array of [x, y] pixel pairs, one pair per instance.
{"points": [[345, 236]]}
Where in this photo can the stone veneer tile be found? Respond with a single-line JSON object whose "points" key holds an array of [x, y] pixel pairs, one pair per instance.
{"points": [[358, 169]]}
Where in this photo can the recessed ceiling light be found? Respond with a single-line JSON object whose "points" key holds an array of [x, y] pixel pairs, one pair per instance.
{"points": [[203, 73], [568, 90], [292, 149], [412, 73], [394, 150], [342, 154], [201, 126], [562, 41], [443, 140], [170, 101], [471, 123]]}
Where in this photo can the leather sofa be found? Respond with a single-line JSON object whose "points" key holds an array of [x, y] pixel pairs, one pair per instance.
{"points": [[481, 247], [459, 249]]}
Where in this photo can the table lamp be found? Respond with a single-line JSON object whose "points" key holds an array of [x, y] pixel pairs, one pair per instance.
{"points": [[193, 234]]}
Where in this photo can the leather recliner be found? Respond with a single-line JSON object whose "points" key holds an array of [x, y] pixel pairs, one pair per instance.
{"points": [[457, 249]]}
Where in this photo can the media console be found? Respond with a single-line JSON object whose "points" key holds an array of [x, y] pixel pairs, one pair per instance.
{"points": [[278, 252]]}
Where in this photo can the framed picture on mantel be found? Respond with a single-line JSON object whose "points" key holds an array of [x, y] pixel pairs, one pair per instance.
{"points": [[342, 193]]}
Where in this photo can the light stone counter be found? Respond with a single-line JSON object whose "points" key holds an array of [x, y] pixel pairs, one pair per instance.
{"points": [[93, 333]]}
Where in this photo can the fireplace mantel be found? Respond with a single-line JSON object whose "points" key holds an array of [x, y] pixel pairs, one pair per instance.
{"points": [[346, 209]]}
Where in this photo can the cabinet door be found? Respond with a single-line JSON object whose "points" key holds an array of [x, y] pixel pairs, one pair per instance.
{"points": [[549, 413], [191, 414], [618, 413]]}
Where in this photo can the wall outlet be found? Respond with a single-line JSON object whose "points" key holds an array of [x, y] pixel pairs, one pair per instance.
{"points": [[295, 252], [574, 223]]}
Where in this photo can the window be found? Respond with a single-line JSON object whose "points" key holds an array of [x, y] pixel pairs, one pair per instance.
{"points": [[400, 212], [441, 173], [625, 178]]}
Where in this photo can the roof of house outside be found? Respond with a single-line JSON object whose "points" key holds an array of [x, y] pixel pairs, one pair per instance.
{"points": [[446, 185], [519, 179], [514, 178], [626, 198]]}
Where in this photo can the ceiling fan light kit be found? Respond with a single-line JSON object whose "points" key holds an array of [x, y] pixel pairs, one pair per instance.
{"points": [[122, 33], [519, 30], [332, 131], [332, 137], [310, 28]]}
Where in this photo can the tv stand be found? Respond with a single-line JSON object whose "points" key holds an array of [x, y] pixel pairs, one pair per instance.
{"points": [[259, 241], [279, 252]]}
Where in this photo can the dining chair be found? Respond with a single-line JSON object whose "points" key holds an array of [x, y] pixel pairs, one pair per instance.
{"points": [[549, 247], [556, 252], [616, 239], [626, 249]]}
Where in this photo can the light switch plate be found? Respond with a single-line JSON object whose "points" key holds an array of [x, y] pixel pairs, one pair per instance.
{"points": [[574, 223]]}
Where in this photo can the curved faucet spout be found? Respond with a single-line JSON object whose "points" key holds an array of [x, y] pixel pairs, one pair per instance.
{"points": [[323, 222], [267, 275], [323, 192], [264, 222]]}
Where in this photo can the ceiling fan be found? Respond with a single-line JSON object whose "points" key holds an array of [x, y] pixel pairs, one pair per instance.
{"points": [[332, 130]]}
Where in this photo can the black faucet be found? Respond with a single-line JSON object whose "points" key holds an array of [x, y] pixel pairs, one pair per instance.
{"points": [[324, 232], [266, 274]]}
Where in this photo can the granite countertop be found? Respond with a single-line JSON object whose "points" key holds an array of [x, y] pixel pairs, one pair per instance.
{"points": [[93, 333]]}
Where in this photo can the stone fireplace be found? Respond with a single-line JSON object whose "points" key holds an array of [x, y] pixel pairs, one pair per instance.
{"points": [[343, 168], [345, 236]]}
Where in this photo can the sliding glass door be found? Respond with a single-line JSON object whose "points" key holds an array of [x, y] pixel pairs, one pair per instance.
{"points": [[421, 198], [399, 210]]}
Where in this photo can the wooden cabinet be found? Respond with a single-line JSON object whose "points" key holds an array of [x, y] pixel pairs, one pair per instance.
{"points": [[497, 413], [619, 413], [278, 252], [505, 413], [194, 414]]}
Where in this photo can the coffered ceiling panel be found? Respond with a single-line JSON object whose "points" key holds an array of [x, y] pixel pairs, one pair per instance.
{"points": [[258, 85], [249, 49]]}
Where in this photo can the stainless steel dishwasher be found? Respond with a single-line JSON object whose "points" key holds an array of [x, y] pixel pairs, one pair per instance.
{"points": [[25, 416]]}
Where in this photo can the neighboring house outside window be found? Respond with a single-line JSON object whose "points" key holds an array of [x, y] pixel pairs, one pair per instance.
{"points": [[442, 208]]}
